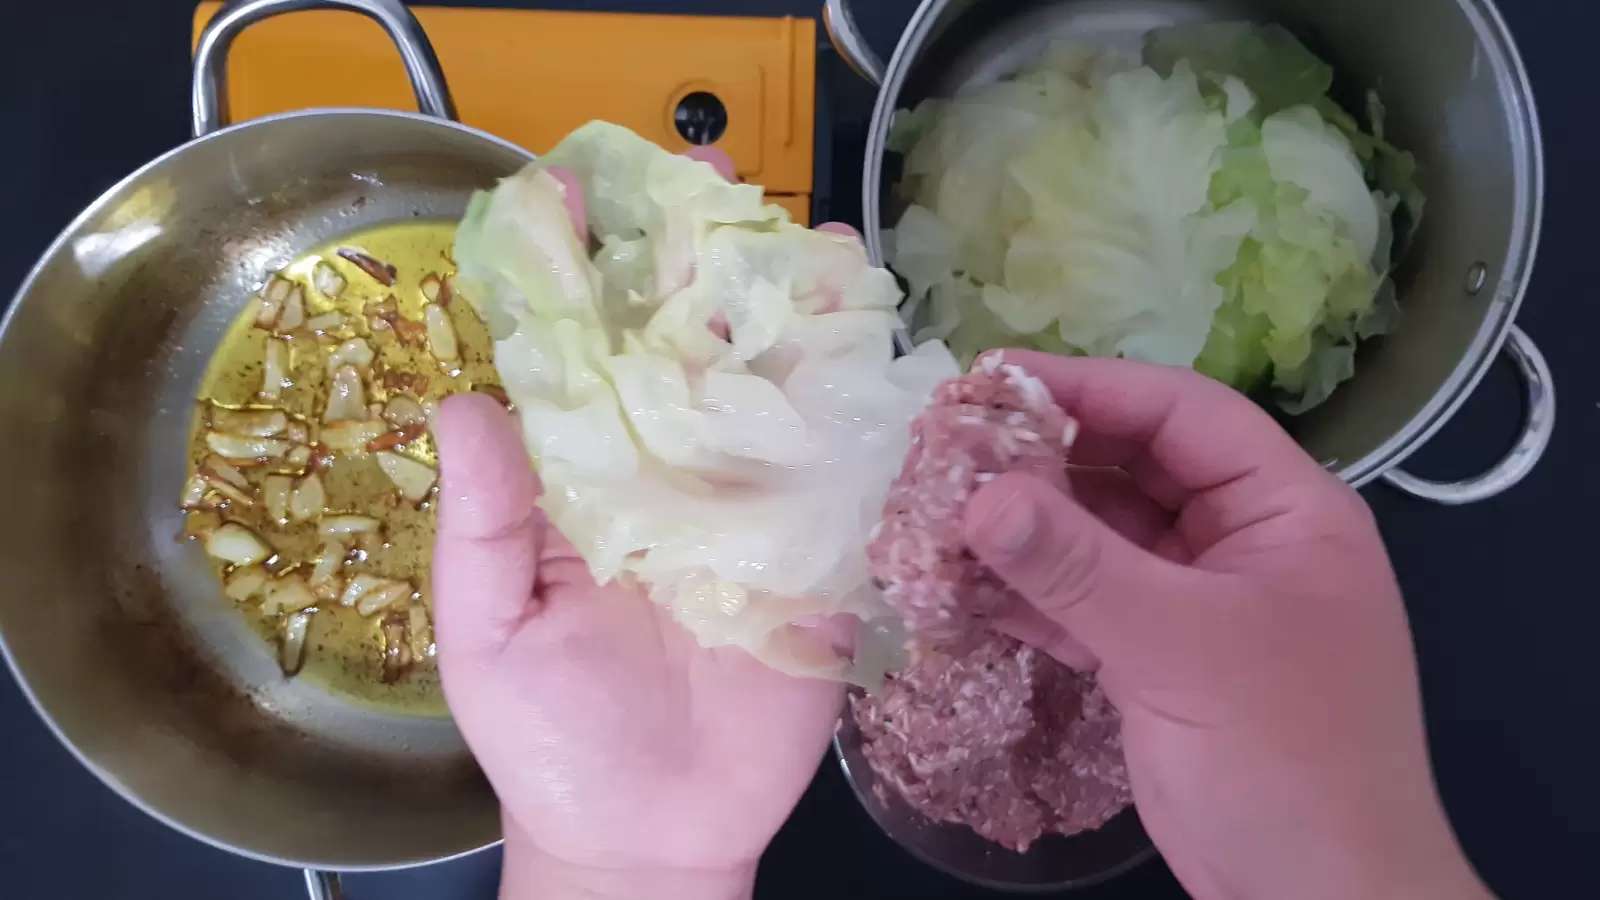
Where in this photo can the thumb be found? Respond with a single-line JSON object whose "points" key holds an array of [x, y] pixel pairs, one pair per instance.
{"points": [[1103, 591], [487, 549]]}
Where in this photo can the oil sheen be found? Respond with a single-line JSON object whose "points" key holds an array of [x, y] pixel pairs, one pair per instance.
{"points": [[344, 650]]}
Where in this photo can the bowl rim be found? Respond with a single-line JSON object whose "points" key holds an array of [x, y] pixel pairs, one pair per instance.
{"points": [[1136, 860]]}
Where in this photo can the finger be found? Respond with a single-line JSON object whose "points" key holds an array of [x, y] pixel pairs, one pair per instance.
{"points": [[1178, 433], [1029, 625], [839, 228], [1116, 499], [487, 549], [1073, 568], [720, 161], [572, 193]]}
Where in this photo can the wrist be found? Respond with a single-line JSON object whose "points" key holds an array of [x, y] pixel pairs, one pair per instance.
{"points": [[1437, 872], [529, 873]]}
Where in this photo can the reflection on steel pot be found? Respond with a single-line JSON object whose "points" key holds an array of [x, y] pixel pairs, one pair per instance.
{"points": [[1463, 105], [115, 631], [1456, 94]]}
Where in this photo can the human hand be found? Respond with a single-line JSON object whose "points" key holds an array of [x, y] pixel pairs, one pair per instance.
{"points": [[1239, 605], [629, 761]]}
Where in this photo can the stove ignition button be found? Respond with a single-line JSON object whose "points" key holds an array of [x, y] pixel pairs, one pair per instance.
{"points": [[701, 118]]}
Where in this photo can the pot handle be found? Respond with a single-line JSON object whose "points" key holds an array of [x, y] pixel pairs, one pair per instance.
{"points": [[1530, 447], [323, 885], [210, 97], [851, 44]]}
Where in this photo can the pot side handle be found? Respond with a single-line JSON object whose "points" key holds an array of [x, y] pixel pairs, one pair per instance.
{"points": [[849, 41], [323, 885], [1527, 452], [210, 96]]}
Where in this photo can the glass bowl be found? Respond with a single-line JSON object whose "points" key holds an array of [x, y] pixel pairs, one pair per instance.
{"points": [[1053, 863]]}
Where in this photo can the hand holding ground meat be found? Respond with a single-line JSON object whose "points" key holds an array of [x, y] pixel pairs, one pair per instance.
{"points": [[1241, 611]]}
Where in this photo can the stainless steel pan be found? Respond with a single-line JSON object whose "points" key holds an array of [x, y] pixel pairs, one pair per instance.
{"points": [[116, 631]]}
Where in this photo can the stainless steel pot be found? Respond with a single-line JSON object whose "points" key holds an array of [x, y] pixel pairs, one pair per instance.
{"points": [[1457, 95], [117, 633]]}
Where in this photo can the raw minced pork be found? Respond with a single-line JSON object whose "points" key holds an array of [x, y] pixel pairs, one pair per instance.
{"points": [[980, 729]]}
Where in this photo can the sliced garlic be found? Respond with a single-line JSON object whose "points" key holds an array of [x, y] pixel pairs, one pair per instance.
{"points": [[339, 528], [325, 323], [441, 333], [226, 472], [244, 583], [396, 648], [381, 598], [254, 422], [239, 447], [293, 655], [354, 352], [358, 587], [294, 311], [329, 562], [236, 544], [275, 490], [288, 594], [327, 280], [420, 632], [402, 411], [310, 499], [352, 437], [414, 479], [272, 303], [229, 492], [347, 399], [194, 493], [275, 370]]}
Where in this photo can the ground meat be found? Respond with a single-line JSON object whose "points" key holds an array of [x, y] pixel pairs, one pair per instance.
{"points": [[1000, 738], [996, 419], [981, 730]]}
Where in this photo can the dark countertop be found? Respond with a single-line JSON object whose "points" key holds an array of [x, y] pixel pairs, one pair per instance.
{"points": [[1502, 594]]}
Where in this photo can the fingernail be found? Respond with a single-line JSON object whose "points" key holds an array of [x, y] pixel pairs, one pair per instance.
{"points": [[1009, 528]]}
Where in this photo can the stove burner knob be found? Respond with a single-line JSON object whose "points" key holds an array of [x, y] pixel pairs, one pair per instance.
{"points": [[701, 118]]}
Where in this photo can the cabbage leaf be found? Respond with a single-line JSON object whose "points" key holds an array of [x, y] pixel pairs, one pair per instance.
{"points": [[1205, 205], [710, 397]]}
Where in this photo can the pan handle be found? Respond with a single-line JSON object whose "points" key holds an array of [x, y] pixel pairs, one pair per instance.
{"points": [[323, 885], [211, 56], [850, 42], [1524, 455]]}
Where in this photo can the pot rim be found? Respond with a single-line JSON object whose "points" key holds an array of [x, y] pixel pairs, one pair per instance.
{"points": [[1516, 272], [55, 248]]}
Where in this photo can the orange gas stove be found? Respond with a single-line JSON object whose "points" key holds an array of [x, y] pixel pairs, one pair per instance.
{"points": [[746, 85]]}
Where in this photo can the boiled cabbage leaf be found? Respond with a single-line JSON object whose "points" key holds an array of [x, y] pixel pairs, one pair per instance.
{"points": [[710, 397], [1206, 205]]}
